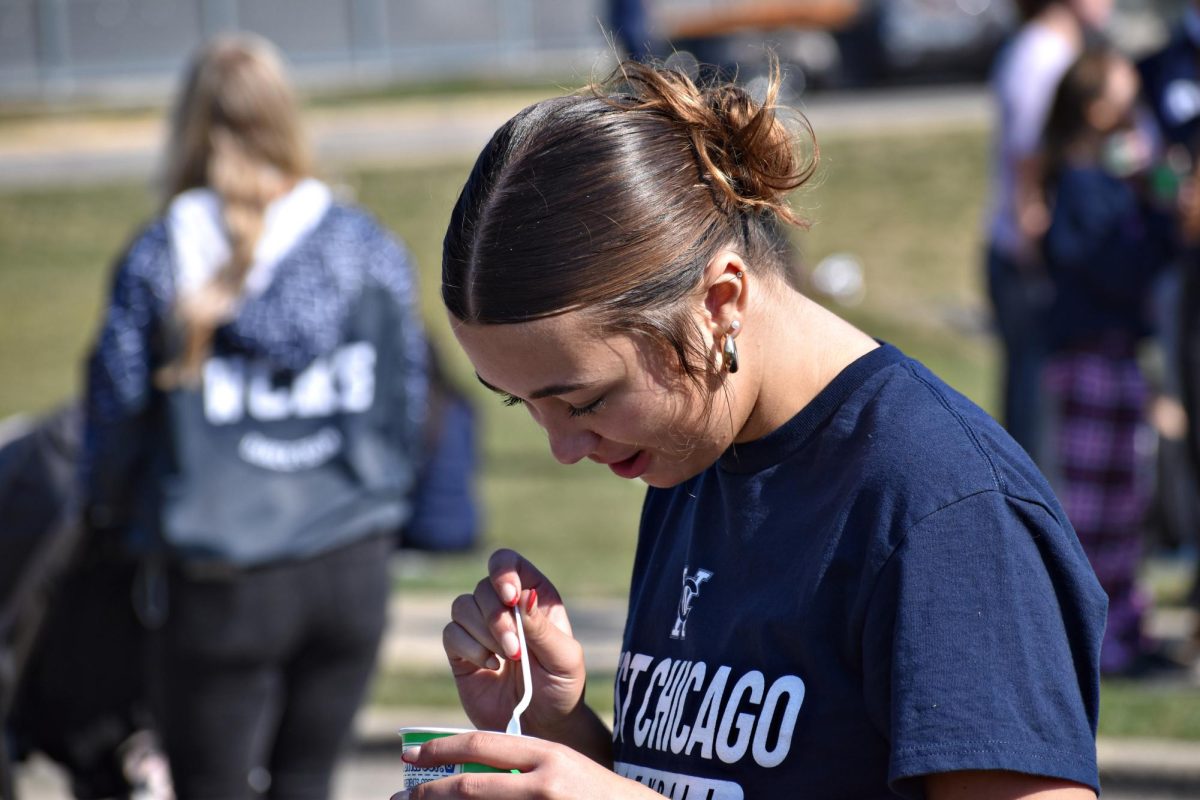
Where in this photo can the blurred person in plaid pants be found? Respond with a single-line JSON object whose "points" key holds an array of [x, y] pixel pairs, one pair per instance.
{"points": [[1105, 247]]}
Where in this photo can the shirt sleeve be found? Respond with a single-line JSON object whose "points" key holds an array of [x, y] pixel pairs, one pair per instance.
{"points": [[982, 645], [118, 374], [1026, 87]]}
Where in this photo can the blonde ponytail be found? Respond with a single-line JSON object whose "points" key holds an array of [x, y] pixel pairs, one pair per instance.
{"points": [[236, 131]]}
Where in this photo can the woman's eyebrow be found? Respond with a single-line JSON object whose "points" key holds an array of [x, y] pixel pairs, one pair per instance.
{"points": [[548, 391]]}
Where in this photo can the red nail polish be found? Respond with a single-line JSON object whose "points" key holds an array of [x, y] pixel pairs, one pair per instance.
{"points": [[531, 602], [517, 657]]}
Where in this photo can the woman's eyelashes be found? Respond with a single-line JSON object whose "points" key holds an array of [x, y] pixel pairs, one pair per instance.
{"points": [[590, 408], [511, 400]]}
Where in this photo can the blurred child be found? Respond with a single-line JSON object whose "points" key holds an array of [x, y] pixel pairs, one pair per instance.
{"points": [[1104, 248]]}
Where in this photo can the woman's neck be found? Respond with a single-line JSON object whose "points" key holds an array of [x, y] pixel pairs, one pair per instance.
{"points": [[797, 349]]}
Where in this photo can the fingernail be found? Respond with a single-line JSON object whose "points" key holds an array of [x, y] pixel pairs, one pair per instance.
{"points": [[531, 602], [509, 594], [492, 663], [401, 795], [411, 754], [510, 645]]}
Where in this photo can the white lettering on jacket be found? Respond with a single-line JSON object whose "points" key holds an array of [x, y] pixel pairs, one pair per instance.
{"points": [[684, 707], [279, 455], [343, 382]]}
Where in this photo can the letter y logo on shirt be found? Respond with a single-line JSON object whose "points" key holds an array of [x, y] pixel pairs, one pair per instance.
{"points": [[691, 588]]}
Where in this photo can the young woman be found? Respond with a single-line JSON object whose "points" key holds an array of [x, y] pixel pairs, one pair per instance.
{"points": [[849, 581], [1106, 246], [254, 406], [1052, 35]]}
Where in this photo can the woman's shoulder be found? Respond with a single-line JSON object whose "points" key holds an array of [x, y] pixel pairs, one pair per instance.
{"points": [[1036, 54], [921, 438], [350, 218], [146, 257]]}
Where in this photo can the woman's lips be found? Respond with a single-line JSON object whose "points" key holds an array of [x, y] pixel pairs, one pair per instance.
{"points": [[632, 467]]}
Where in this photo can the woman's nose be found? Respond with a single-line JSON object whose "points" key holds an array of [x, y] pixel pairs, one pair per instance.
{"points": [[571, 444]]}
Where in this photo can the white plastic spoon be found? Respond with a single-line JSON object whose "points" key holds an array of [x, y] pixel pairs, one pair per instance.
{"points": [[514, 724]]}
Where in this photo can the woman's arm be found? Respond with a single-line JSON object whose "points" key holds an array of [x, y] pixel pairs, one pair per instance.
{"points": [[119, 381], [1001, 785]]}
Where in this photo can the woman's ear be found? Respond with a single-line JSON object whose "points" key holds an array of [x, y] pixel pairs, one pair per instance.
{"points": [[725, 291]]}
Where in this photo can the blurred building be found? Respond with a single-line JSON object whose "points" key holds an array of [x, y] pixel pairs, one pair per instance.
{"points": [[67, 49]]}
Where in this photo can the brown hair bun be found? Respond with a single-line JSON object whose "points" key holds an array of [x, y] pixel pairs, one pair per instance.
{"points": [[746, 151]]}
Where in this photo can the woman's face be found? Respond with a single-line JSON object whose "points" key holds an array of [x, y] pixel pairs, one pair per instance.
{"points": [[1093, 13], [1122, 88], [1114, 110], [615, 399]]}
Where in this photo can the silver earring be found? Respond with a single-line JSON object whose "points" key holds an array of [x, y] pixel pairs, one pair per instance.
{"points": [[729, 348]]}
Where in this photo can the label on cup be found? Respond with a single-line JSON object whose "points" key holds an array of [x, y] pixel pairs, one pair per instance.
{"points": [[415, 776]]}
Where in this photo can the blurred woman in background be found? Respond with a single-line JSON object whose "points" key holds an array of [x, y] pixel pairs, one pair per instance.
{"points": [[1027, 72], [1105, 247], [253, 410]]}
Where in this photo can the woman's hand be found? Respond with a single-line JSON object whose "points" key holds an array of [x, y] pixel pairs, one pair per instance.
{"points": [[481, 643], [548, 771]]}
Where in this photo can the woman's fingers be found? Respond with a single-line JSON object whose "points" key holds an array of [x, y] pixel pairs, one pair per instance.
{"points": [[509, 573], [547, 769], [498, 750], [512, 574], [463, 648], [497, 616], [480, 616], [514, 577], [556, 649]]}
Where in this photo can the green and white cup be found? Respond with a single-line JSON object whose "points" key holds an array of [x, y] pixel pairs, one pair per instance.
{"points": [[415, 737]]}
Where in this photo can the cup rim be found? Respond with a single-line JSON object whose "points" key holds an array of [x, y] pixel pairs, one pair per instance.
{"points": [[431, 729]]}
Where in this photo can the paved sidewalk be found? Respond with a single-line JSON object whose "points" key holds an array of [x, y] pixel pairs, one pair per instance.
{"points": [[79, 149]]}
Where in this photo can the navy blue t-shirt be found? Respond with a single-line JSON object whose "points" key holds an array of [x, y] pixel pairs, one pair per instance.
{"points": [[883, 588]]}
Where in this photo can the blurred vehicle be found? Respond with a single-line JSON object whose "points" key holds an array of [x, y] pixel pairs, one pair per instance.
{"points": [[934, 38], [839, 43], [844, 42]]}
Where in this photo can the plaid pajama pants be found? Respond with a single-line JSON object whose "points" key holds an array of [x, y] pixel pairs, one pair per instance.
{"points": [[1097, 401]]}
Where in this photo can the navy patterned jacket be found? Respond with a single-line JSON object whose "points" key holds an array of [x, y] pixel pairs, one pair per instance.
{"points": [[303, 433]]}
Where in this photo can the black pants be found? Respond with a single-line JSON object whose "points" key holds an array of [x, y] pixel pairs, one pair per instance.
{"points": [[260, 675]]}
